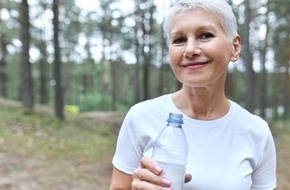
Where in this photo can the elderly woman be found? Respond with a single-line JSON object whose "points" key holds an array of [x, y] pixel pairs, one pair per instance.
{"points": [[229, 148]]}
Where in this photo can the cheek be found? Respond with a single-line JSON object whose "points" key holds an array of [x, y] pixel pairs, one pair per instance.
{"points": [[175, 55], [173, 60], [171, 52], [221, 54]]}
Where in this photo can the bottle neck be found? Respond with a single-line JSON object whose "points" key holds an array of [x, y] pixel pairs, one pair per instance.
{"points": [[174, 124]]}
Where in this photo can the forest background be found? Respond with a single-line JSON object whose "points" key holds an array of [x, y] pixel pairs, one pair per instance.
{"points": [[70, 70], [109, 54]]}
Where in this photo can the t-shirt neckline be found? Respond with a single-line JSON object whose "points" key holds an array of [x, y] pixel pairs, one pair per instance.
{"points": [[204, 123]]}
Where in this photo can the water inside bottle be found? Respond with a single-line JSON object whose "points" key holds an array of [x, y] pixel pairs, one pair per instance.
{"points": [[175, 173]]}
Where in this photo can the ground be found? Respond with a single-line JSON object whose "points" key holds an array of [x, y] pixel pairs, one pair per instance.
{"points": [[33, 176], [38, 152], [282, 141]]}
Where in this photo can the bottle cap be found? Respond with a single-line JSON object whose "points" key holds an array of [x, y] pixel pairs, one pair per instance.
{"points": [[175, 118]]}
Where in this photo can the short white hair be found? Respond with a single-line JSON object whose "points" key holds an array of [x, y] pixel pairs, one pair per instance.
{"points": [[219, 7]]}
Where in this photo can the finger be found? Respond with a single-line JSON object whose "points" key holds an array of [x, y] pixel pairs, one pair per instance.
{"points": [[150, 164], [143, 174], [187, 178], [144, 185]]}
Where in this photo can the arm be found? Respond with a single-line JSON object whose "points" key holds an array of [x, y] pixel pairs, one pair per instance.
{"points": [[120, 180], [264, 176]]}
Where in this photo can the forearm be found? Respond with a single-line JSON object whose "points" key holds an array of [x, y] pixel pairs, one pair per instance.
{"points": [[120, 180]]}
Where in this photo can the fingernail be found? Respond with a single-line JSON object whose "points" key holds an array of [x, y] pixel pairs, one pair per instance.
{"points": [[166, 188], [166, 182], [158, 169]]}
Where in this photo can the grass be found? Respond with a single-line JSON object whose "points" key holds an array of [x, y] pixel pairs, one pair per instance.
{"points": [[281, 133], [52, 154], [38, 134]]}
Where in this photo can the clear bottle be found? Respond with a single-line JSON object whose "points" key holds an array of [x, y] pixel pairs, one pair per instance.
{"points": [[171, 150]]}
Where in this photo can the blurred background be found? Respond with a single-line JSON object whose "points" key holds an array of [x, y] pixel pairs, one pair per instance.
{"points": [[70, 70]]}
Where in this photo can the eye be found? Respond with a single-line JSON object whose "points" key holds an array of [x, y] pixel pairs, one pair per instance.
{"points": [[179, 40], [206, 35]]}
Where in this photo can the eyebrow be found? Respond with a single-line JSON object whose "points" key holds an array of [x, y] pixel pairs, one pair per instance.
{"points": [[197, 28]]}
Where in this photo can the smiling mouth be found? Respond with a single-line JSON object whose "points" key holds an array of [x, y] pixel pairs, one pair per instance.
{"points": [[195, 65]]}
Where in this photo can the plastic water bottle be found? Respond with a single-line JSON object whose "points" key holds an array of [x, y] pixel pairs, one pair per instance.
{"points": [[171, 150]]}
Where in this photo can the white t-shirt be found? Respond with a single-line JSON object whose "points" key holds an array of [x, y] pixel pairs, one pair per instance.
{"points": [[235, 152]]}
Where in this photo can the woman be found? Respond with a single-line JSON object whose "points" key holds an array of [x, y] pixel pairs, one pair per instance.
{"points": [[229, 148]]}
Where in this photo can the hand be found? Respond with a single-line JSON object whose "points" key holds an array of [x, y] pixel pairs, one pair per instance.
{"points": [[148, 176]]}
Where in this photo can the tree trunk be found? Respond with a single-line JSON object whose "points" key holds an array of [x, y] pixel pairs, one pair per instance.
{"points": [[43, 89], [263, 90], [248, 60], [101, 68], [113, 72], [88, 79], [162, 60], [137, 66], [43, 78], [3, 64], [113, 68], [145, 56], [26, 89], [286, 101], [58, 99], [147, 28]]}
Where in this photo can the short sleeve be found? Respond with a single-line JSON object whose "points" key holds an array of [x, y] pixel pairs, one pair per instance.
{"points": [[264, 176], [128, 153]]}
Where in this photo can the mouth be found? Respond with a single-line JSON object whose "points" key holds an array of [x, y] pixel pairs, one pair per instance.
{"points": [[194, 65]]}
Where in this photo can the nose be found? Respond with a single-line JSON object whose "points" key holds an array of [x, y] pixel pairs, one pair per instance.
{"points": [[192, 48]]}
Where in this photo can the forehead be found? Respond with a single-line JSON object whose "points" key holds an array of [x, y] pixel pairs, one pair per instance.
{"points": [[195, 17]]}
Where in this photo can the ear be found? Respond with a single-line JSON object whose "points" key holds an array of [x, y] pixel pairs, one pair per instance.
{"points": [[236, 48]]}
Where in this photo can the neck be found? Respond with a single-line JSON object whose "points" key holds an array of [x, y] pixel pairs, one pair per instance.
{"points": [[201, 103]]}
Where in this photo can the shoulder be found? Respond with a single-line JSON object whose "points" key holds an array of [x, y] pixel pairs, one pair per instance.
{"points": [[246, 115], [152, 103], [150, 107], [150, 112], [249, 122]]}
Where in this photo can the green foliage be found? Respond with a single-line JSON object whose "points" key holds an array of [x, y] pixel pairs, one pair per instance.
{"points": [[93, 102], [96, 47], [97, 102]]}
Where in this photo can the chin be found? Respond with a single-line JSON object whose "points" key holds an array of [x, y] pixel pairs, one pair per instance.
{"points": [[195, 83]]}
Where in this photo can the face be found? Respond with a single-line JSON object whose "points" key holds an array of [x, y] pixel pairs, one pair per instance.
{"points": [[200, 50]]}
